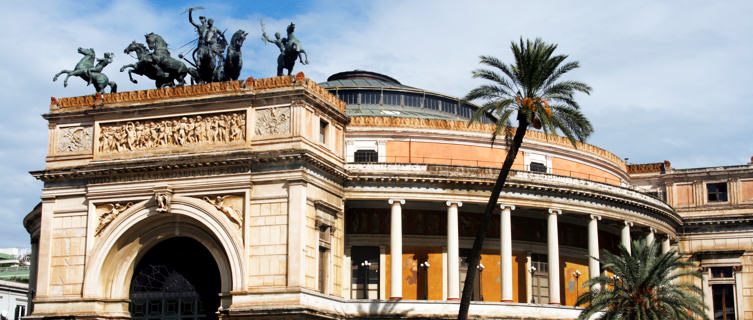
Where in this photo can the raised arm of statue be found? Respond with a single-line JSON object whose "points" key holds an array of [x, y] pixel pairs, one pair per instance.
{"points": [[190, 17]]}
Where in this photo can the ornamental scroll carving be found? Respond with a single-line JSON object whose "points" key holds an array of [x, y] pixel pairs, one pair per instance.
{"points": [[108, 213], [74, 139], [272, 121], [227, 205], [172, 132]]}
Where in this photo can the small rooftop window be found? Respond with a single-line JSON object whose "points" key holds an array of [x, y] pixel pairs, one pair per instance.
{"points": [[366, 156], [716, 192]]}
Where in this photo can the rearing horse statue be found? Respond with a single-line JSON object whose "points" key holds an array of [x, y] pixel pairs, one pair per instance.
{"points": [[86, 70], [156, 65]]}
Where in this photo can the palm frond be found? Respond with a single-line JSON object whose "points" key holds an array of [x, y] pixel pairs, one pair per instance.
{"points": [[644, 286]]}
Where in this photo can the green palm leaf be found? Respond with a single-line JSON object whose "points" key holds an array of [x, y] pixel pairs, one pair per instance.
{"points": [[644, 285], [530, 90]]}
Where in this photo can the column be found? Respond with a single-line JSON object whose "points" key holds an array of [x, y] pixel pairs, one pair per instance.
{"points": [[665, 245], [650, 236], [347, 270], [529, 278], [707, 293], [625, 235], [593, 246], [453, 251], [296, 266], [505, 239], [396, 249], [553, 256]]}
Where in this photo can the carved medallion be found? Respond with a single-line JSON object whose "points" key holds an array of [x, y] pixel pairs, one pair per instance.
{"points": [[221, 128], [272, 121], [72, 139]]}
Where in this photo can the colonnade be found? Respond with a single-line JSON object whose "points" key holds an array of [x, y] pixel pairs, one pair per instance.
{"points": [[453, 249]]}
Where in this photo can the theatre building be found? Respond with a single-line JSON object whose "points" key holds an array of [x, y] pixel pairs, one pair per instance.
{"points": [[353, 198]]}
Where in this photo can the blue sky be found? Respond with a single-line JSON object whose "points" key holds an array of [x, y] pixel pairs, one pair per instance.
{"points": [[671, 81]]}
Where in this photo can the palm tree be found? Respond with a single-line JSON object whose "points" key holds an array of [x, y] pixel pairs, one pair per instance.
{"points": [[532, 92], [644, 286]]}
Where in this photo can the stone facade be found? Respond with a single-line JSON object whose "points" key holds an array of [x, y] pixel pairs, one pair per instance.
{"points": [[265, 175]]}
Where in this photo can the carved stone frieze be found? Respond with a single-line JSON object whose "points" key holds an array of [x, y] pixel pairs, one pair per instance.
{"points": [[272, 121], [73, 139], [108, 212], [171, 132], [229, 205]]}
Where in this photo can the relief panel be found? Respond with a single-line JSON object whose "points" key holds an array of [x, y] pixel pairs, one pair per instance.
{"points": [[272, 121], [74, 139], [218, 128]]}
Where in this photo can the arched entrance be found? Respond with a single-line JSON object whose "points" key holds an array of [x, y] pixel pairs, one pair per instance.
{"points": [[176, 279]]}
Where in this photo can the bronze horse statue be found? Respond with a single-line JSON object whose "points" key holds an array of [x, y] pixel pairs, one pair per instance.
{"points": [[157, 65], [86, 70], [233, 62]]}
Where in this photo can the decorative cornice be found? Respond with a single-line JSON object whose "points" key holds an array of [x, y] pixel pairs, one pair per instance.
{"points": [[185, 166], [460, 125], [484, 179], [658, 167], [144, 95], [58, 105]]}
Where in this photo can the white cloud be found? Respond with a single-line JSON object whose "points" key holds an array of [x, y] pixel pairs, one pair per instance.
{"points": [[671, 81]]}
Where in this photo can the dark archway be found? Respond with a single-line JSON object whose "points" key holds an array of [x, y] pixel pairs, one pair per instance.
{"points": [[176, 279]]}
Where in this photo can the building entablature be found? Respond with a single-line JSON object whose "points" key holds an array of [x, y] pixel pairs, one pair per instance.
{"points": [[259, 115], [429, 181]]}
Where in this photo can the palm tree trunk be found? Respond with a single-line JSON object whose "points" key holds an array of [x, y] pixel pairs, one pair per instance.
{"points": [[478, 243]]}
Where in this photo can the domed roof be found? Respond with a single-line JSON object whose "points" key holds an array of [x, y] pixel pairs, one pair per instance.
{"points": [[361, 78], [373, 94]]}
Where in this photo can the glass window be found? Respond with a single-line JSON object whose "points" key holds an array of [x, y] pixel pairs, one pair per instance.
{"points": [[431, 103], [721, 272], [20, 312], [366, 156], [724, 301], [349, 97], [323, 126], [465, 111], [412, 100], [365, 273], [716, 192], [390, 98], [369, 97], [540, 279], [449, 106]]}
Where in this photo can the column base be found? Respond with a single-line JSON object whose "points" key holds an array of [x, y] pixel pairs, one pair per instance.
{"points": [[453, 299], [507, 301], [396, 298], [555, 303]]}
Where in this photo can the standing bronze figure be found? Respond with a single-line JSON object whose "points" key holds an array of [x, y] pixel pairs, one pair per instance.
{"points": [[290, 50], [92, 74], [209, 65]]}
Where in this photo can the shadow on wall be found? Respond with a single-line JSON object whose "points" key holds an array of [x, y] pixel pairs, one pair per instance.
{"points": [[381, 309]]}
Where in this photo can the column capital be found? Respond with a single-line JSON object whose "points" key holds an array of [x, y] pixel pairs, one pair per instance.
{"points": [[393, 201], [555, 211], [652, 229], [629, 223], [503, 206], [594, 217], [450, 203]]}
